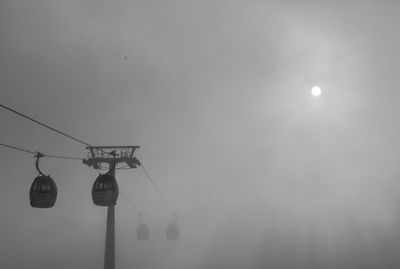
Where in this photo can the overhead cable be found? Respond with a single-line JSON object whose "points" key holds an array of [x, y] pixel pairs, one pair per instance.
{"points": [[42, 154], [45, 125], [17, 148], [130, 202], [155, 186], [48, 127]]}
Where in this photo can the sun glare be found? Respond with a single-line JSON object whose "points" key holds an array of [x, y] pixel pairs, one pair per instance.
{"points": [[316, 91]]}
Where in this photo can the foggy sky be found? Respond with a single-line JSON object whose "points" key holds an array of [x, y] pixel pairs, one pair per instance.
{"points": [[217, 95]]}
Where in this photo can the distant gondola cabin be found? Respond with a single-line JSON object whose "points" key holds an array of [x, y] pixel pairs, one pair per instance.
{"points": [[105, 190], [143, 232], [172, 231], [43, 192]]}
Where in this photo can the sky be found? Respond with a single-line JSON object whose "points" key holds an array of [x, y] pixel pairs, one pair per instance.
{"points": [[217, 96]]}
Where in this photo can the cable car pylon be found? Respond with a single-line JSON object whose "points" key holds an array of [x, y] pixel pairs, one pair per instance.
{"points": [[105, 188]]}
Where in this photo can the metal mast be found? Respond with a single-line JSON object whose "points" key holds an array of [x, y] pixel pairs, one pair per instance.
{"points": [[118, 157], [109, 253]]}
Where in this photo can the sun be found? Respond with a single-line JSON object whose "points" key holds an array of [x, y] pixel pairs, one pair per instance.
{"points": [[316, 91]]}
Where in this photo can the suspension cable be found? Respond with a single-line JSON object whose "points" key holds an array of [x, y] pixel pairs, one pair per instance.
{"points": [[155, 186], [130, 203], [42, 154], [49, 127], [17, 148]]}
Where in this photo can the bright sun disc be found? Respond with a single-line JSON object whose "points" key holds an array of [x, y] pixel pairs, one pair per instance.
{"points": [[316, 91]]}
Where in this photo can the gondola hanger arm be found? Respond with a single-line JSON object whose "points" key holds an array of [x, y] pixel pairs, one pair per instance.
{"points": [[38, 155]]}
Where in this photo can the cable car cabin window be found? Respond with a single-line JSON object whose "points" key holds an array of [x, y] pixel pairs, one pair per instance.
{"points": [[44, 188], [101, 186], [35, 186]]}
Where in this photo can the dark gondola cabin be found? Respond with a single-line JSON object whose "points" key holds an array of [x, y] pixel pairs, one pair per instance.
{"points": [[105, 190], [142, 232], [43, 192], [172, 231]]}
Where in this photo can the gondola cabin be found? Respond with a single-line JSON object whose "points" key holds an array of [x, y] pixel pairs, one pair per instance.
{"points": [[142, 232], [105, 190], [43, 192], [172, 231]]}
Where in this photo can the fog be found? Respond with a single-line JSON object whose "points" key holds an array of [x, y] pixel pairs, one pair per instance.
{"points": [[217, 95]]}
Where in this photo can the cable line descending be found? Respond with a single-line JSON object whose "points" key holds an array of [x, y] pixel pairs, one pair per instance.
{"points": [[47, 126], [130, 203], [155, 186], [173, 229], [16, 148], [42, 154]]}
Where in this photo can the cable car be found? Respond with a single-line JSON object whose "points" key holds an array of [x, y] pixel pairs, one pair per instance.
{"points": [[173, 230], [105, 190], [43, 192], [142, 232]]}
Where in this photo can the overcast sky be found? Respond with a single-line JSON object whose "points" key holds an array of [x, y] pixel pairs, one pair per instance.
{"points": [[217, 95]]}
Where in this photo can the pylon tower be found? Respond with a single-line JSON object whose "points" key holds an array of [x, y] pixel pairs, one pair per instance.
{"points": [[111, 158]]}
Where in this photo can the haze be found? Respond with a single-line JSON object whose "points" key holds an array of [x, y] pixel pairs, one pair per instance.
{"points": [[217, 95]]}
